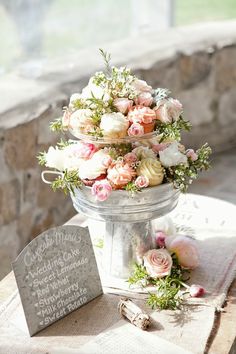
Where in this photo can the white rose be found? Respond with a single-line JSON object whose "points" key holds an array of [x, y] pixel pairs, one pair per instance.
{"points": [[92, 90], [141, 86], [96, 166], [81, 119], [171, 156], [55, 158], [114, 125], [72, 161]]}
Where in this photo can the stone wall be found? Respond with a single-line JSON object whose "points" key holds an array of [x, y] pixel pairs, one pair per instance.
{"points": [[197, 63]]}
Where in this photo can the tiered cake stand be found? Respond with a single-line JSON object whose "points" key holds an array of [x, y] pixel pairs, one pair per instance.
{"points": [[128, 228]]}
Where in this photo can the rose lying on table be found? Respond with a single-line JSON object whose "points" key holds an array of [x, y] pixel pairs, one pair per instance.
{"points": [[167, 268]]}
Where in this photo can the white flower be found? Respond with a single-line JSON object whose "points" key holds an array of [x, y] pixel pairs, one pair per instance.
{"points": [[92, 90], [96, 166], [55, 158], [114, 125], [171, 156], [72, 161]]}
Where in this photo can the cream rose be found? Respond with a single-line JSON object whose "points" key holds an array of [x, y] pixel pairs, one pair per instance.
{"points": [[158, 263], [114, 125], [81, 119], [171, 156], [152, 170], [142, 152]]}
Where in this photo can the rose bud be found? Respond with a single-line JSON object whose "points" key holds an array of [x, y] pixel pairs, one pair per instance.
{"points": [[160, 239], [196, 290], [192, 154]]}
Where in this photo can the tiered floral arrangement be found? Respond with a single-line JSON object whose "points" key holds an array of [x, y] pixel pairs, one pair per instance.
{"points": [[167, 268], [131, 138]]}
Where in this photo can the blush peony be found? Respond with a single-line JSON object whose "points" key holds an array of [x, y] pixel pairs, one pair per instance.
{"points": [[185, 250]]}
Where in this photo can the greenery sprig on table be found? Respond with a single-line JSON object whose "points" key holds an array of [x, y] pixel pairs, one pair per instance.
{"points": [[168, 293]]}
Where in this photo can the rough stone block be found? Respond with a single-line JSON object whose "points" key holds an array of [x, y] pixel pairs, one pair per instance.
{"points": [[225, 68], [227, 107], [20, 146], [197, 104], [9, 201], [193, 68]]}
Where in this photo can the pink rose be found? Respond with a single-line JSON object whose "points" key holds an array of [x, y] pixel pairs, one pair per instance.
{"points": [[123, 104], [185, 250], [85, 150], [144, 99], [135, 130], [130, 157], [159, 147], [141, 114], [192, 154], [141, 86], [120, 173], [160, 238], [158, 263], [196, 290], [101, 190], [168, 110], [141, 182]]}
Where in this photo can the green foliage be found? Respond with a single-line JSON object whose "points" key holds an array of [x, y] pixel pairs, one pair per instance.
{"points": [[182, 175], [56, 125], [131, 188], [107, 59], [63, 143], [139, 275], [168, 294], [68, 182], [172, 130], [42, 158]]}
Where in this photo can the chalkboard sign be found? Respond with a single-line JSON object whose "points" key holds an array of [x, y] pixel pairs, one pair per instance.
{"points": [[56, 273]]}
